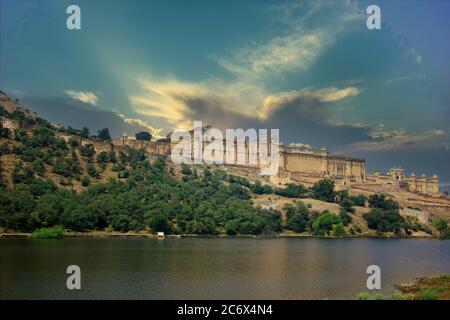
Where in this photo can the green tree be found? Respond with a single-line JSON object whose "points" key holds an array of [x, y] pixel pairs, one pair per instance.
{"points": [[345, 217], [186, 170], [118, 167], [323, 224], [324, 190], [4, 133], [359, 200], [85, 181], [121, 222], [347, 205], [143, 135], [379, 201], [103, 134], [292, 190], [4, 149], [296, 216], [2, 178], [441, 226], [73, 142], [102, 157], [231, 227], [84, 132], [338, 230], [90, 168], [112, 157], [159, 223], [38, 166], [87, 150], [384, 221]]}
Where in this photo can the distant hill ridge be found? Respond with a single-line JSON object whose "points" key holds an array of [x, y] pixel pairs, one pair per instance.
{"points": [[11, 106]]}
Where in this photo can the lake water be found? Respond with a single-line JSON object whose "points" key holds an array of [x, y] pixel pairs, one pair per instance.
{"points": [[213, 268]]}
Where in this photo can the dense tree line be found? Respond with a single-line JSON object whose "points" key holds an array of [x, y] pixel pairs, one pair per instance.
{"points": [[150, 198], [385, 217]]}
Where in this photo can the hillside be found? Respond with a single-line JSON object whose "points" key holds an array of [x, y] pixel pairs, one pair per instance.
{"points": [[11, 106], [50, 181]]}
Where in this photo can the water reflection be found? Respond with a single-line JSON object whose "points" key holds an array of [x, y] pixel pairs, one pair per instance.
{"points": [[213, 268]]}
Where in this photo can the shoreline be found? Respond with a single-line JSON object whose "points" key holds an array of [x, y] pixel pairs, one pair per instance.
{"points": [[423, 288], [107, 235]]}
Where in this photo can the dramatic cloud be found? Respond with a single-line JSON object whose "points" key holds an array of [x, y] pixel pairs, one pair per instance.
{"points": [[400, 140], [67, 112], [250, 93], [300, 43], [138, 122], [83, 96], [274, 102], [165, 99], [179, 103], [279, 55]]}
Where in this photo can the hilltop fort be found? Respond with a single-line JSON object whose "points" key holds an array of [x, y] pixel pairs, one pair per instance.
{"points": [[298, 163], [34, 152]]}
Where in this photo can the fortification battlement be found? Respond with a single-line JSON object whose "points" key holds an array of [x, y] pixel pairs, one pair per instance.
{"points": [[396, 177], [296, 160]]}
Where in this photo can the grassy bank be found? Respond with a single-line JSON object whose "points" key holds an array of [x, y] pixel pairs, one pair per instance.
{"points": [[434, 288], [48, 233]]}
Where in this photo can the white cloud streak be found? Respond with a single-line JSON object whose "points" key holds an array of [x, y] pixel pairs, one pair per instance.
{"points": [[86, 97], [156, 133]]}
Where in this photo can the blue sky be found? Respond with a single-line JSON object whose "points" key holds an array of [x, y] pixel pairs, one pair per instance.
{"points": [[310, 68]]}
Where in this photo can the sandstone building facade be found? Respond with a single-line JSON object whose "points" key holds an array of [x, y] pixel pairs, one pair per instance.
{"points": [[310, 165], [297, 162]]}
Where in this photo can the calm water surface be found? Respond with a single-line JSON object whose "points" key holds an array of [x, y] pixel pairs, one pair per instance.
{"points": [[200, 268]]}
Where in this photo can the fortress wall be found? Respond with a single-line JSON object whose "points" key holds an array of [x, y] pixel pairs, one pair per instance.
{"points": [[120, 149], [300, 164], [305, 179], [412, 184], [421, 185], [337, 167], [358, 170], [345, 167], [103, 146], [325, 164], [307, 163]]}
